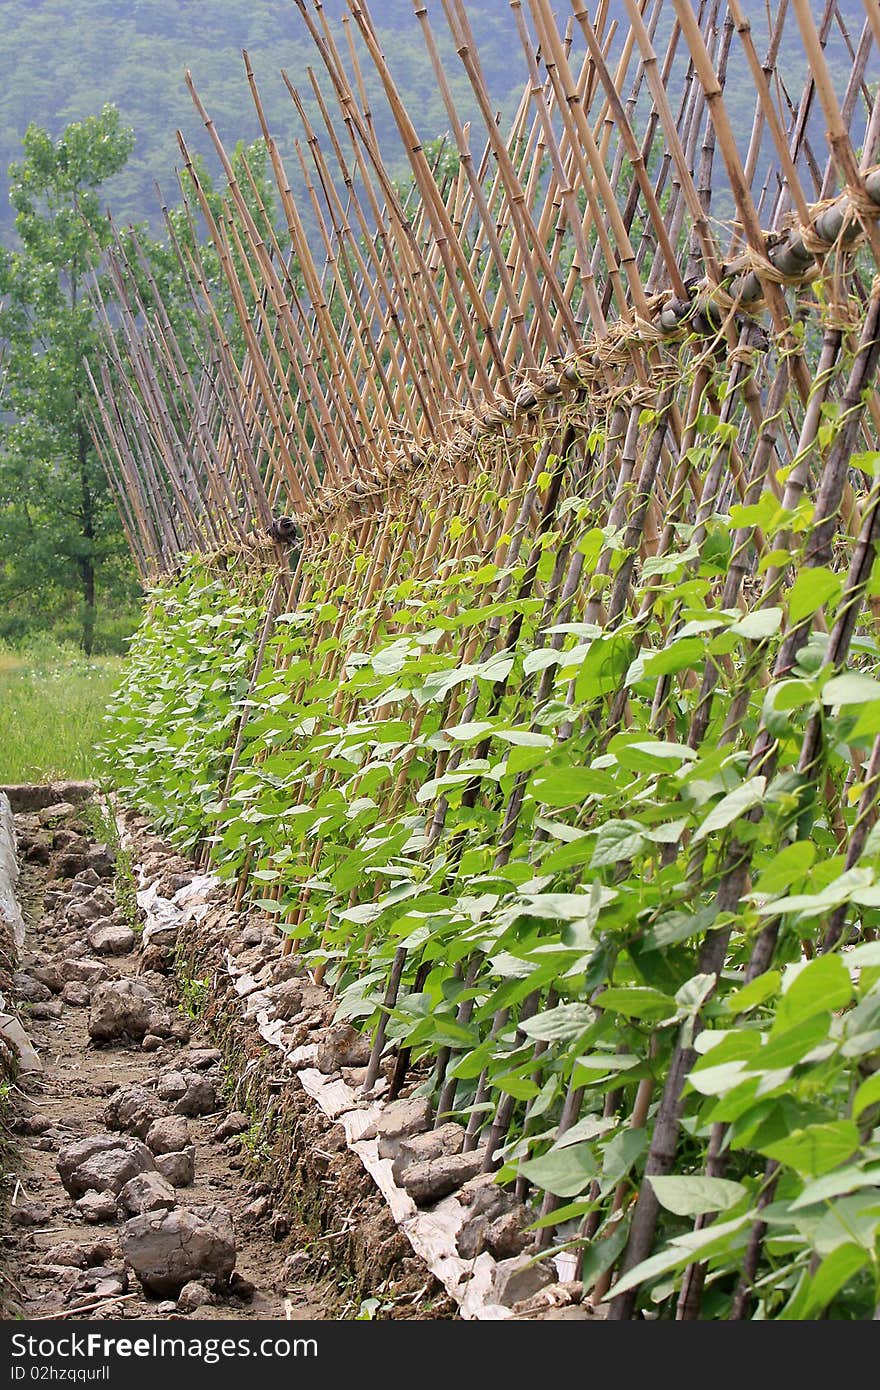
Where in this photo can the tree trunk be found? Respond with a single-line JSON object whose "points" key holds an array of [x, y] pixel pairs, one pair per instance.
{"points": [[86, 561], [87, 532]]}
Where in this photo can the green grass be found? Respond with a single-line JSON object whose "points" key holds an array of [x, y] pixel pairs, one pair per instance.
{"points": [[52, 699]]}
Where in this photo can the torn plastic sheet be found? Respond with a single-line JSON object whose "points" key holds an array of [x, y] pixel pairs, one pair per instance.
{"points": [[10, 909]]}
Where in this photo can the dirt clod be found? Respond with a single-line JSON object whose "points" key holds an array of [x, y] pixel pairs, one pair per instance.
{"points": [[133, 1109], [192, 1296], [97, 1206], [102, 1163], [236, 1122], [122, 1009], [179, 1167], [106, 938], [168, 1135], [168, 1249], [146, 1192]]}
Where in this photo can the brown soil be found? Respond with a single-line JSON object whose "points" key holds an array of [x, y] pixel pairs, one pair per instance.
{"points": [[66, 1102]]}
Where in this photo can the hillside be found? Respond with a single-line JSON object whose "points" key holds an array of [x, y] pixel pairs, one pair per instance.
{"points": [[62, 59]]}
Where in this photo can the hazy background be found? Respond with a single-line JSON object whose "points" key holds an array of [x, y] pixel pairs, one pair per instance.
{"points": [[61, 60]]}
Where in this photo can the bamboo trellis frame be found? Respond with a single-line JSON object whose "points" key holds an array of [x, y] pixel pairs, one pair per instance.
{"points": [[569, 282]]}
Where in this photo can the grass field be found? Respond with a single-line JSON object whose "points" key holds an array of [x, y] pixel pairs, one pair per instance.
{"points": [[51, 702]]}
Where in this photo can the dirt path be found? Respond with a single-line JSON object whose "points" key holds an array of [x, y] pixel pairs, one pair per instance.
{"points": [[61, 1252]]}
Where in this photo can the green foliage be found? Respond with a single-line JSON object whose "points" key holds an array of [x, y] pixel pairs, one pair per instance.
{"points": [[103, 822], [168, 700], [65, 563], [194, 992], [579, 927], [53, 701], [58, 524]]}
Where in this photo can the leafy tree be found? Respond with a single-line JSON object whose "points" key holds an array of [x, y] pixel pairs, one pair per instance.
{"points": [[58, 528]]}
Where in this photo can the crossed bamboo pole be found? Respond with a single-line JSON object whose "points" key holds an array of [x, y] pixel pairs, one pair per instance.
{"points": [[565, 301]]}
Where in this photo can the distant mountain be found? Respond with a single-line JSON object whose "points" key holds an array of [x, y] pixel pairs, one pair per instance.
{"points": [[60, 60]]}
